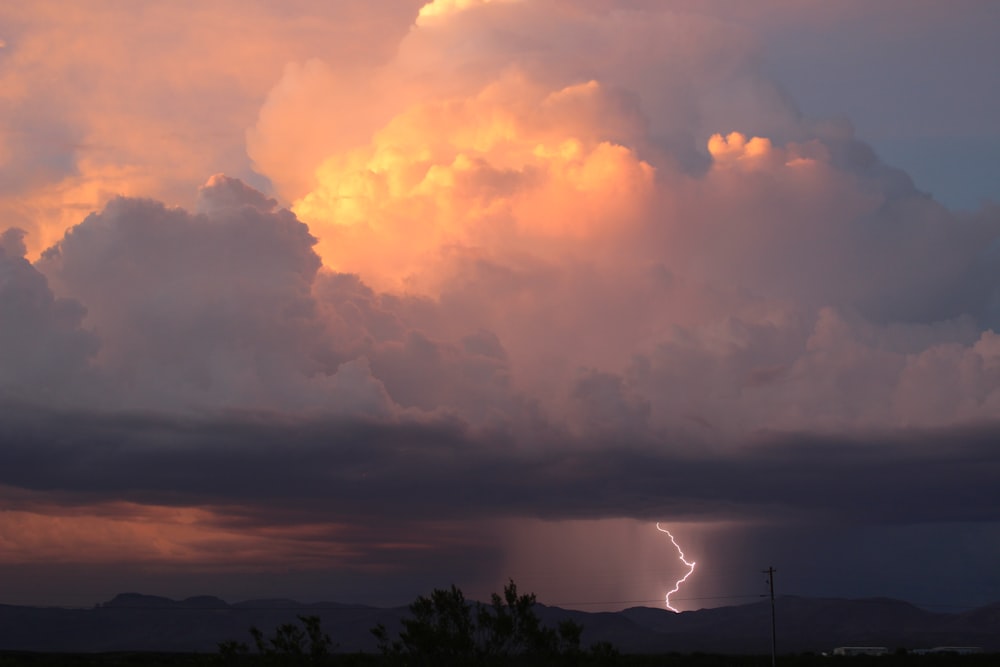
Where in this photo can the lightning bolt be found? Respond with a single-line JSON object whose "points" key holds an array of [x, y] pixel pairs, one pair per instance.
{"points": [[677, 586]]}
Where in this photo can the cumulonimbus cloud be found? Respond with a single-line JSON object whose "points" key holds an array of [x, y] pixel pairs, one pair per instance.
{"points": [[527, 244], [507, 267]]}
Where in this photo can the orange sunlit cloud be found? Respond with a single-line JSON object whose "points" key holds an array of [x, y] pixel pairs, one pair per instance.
{"points": [[202, 539], [512, 164], [168, 100], [440, 9], [158, 536]]}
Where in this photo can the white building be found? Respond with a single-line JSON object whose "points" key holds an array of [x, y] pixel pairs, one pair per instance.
{"points": [[861, 650]]}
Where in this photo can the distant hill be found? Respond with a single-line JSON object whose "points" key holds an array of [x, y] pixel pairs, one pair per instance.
{"points": [[135, 622]]}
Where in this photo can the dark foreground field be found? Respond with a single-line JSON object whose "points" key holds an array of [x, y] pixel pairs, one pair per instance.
{"points": [[149, 659]]}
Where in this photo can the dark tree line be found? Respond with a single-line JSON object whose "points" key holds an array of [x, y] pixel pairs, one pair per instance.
{"points": [[444, 629]]}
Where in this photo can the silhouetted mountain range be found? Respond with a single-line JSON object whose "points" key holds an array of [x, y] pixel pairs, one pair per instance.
{"points": [[134, 622]]}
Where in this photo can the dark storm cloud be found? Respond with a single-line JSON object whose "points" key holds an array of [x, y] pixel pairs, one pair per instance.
{"points": [[307, 470]]}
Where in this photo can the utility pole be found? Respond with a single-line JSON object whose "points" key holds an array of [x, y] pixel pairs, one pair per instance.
{"points": [[774, 646]]}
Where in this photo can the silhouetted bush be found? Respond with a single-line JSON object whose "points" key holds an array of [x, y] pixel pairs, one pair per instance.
{"points": [[446, 630], [290, 645]]}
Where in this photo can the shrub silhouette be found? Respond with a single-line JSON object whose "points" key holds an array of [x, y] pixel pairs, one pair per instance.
{"points": [[443, 630], [290, 644], [509, 626]]}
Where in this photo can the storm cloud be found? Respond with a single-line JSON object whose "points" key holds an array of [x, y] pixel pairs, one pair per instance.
{"points": [[503, 264]]}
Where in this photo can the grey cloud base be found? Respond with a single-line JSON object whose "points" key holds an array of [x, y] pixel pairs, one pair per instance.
{"points": [[302, 470]]}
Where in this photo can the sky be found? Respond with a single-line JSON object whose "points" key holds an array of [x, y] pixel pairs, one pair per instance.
{"points": [[352, 300]]}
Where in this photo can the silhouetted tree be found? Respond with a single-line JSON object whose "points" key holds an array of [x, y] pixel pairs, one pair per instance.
{"points": [[319, 641], [231, 652], [441, 630], [509, 626], [569, 636], [444, 631], [290, 644]]}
